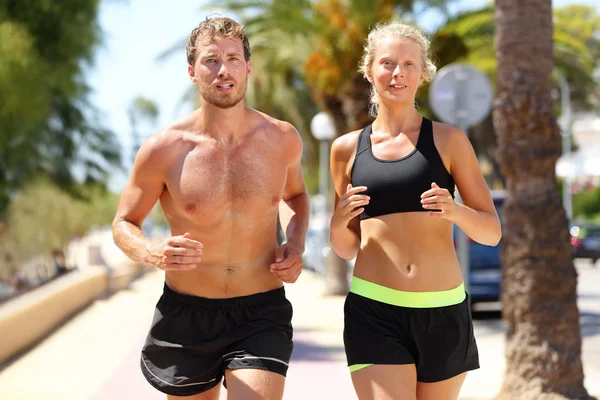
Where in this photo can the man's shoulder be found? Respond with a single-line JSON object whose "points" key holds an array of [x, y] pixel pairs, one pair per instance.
{"points": [[163, 145], [281, 134], [274, 124], [176, 133], [163, 140]]}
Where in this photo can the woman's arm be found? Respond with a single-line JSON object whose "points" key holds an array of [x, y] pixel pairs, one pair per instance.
{"points": [[344, 233], [476, 216]]}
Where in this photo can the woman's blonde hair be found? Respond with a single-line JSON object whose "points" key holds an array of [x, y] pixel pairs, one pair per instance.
{"points": [[398, 29]]}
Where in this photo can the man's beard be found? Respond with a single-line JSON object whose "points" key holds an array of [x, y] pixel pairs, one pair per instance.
{"points": [[223, 100]]}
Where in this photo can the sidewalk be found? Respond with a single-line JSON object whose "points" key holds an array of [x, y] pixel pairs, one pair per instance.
{"points": [[95, 355]]}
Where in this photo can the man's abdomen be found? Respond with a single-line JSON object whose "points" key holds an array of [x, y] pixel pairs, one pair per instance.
{"points": [[235, 262]]}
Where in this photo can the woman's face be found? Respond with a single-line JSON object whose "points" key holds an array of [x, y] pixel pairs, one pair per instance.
{"points": [[396, 70]]}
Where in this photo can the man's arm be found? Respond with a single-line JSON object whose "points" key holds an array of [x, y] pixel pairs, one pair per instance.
{"points": [[294, 212], [295, 205], [143, 189]]}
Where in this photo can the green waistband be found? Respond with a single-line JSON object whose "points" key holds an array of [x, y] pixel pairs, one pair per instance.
{"points": [[395, 297]]}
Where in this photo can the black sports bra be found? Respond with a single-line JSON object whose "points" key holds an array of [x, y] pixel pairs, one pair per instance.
{"points": [[395, 186]]}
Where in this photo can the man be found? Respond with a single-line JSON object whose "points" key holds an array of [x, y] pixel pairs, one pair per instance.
{"points": [[220, 175]]}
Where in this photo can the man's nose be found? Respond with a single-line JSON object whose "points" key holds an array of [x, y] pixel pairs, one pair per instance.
{"points": [[223, 69]]}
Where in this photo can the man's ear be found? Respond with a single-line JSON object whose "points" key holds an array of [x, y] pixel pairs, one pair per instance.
{"points": [[192, 74], [249, 67]]}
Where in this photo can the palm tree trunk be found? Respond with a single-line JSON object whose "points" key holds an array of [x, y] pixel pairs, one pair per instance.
{"points": [[356, 103], [543, 342]]}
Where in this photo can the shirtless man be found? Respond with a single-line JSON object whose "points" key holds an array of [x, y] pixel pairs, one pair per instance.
{"points": [[220, 175]]}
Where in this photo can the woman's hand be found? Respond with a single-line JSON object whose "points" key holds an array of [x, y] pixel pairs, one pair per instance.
{"points": [[439, 201], [349, 206]]}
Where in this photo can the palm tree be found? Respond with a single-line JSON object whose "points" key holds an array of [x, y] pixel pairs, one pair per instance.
{"points": [[145, 112], [47, 124], [468, 37], [539, 299], [575, 43]]}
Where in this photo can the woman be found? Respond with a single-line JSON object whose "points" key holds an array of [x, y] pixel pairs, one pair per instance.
{"points": [[408, 331]]}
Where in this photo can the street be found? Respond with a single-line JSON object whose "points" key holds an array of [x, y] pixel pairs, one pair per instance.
{"points": [[95, 355], [490, 330]]}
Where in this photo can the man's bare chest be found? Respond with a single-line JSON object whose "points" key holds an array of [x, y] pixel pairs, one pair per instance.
{"points": [[212, 181]]}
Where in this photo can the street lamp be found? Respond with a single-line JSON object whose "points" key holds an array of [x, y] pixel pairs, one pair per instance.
{"points": [[323, 130], [564, 122], [336, 268]]}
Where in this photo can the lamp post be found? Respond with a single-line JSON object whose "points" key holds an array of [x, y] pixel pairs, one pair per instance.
{"points": [[323, 129], [336, 268], [564, 121]]}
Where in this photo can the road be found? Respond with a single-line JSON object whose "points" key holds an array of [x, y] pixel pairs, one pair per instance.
{"points": [[95, 355], [490, 331]]}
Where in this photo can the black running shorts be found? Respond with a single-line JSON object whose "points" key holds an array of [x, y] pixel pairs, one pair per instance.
{"points": [[438, 340], [193, 340]]}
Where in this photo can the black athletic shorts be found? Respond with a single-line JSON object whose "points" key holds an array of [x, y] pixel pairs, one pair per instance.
{"points": [[193, 340], [438, 340]]}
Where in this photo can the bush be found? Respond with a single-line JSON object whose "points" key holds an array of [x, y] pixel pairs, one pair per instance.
{"points": [[586, 204], [42, 218]]}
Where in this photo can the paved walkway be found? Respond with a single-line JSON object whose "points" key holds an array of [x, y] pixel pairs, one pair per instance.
{"points": [[95, 354]]}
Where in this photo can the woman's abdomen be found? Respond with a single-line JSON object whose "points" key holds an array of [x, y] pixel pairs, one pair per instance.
{"points": [[409, 252]]}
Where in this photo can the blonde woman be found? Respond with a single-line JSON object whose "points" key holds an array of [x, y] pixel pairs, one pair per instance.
{"points": [[408, 330]]}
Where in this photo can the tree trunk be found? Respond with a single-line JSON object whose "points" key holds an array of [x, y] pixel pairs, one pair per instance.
{"points": [[539, 298], [483, 140], [356, 103]]}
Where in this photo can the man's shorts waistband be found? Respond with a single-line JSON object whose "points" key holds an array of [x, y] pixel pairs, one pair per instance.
{"points": [[253, 300]]}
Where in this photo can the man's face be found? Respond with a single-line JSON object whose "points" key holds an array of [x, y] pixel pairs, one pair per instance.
{"points": [[220, 71]]}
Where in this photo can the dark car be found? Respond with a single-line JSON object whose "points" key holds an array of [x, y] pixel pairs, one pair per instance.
{"points": [[484, 264], [585, 240]]}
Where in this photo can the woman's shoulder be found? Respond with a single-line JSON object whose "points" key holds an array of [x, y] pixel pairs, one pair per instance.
{"points": [[444, 129], [344, 146], [448, 134]]}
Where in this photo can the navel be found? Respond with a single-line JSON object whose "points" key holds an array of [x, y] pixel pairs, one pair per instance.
{"points": [[408, 269]]}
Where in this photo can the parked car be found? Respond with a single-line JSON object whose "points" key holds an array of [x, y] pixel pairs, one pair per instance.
{"points": [[317, 237], [585, 240], [485, 270], [316, 249]]}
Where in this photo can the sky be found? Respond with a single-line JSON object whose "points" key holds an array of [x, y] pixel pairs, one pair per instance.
{"points": [[126, 65]]}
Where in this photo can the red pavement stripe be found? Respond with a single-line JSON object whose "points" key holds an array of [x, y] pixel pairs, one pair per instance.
{"points": [[314, 373]]}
